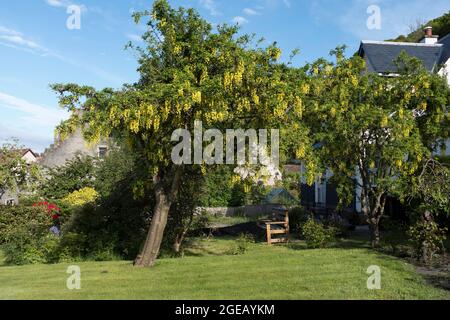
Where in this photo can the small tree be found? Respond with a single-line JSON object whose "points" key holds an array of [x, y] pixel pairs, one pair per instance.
{"points": [[372, 130], [429, 190], [15, 173]]}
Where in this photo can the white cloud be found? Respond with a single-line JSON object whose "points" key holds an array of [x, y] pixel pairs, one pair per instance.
{"points": [[16, 40], [211, 6], [10, 32], [240, 20], [65, 4], [55, 3], [395, 20], [251, 12], [38, 115]]}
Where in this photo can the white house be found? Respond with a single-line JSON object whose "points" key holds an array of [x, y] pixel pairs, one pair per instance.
{"points": [[7, 197]]}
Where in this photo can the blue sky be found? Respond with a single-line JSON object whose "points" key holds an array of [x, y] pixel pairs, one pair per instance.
{"points": [[37, 49]]}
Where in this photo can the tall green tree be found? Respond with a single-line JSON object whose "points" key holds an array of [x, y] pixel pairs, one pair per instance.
{"points": [[371, 130], [187, 72]]}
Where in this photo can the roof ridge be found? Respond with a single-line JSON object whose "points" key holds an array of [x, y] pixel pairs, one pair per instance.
{"points": [[415, 44]]}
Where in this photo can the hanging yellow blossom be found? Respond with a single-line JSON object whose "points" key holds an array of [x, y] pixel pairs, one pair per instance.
{"points": [[384, 122], [305, 88], [197, 97], [300, 152], [156, 123], [333, 112], [134, 126], [298, 107], [255, 97]]}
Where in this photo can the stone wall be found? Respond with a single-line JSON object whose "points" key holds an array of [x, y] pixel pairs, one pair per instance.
{"points": [[248, 211], [62, 151]]}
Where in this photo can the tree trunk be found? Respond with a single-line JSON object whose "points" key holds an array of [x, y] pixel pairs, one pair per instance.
{"points": [[177, 244], [182, 235], [374, 234], [373, 209], [164, 200]]}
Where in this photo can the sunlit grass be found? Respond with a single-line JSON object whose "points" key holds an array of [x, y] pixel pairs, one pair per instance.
{"points": [[209, 272]]}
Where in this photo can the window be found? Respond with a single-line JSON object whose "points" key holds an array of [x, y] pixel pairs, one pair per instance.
{"points": [[102, 151]]}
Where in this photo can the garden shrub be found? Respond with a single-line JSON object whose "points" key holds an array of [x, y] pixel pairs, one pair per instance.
{"points": [[428, 239], [297, 217], [81, 197], [316, 234], [26, 237], [76, 174], [394, 233]]}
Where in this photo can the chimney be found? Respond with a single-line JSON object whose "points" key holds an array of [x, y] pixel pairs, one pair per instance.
{"points": [[429, 37]]}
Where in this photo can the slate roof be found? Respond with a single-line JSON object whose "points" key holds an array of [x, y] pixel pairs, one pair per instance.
{"points": [[445, 41], [381, 54]]}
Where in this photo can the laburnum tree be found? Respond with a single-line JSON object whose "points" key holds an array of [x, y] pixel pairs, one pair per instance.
{"points": [[370, 130], [188, 72]]}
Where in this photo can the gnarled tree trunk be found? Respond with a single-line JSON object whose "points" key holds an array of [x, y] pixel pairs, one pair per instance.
{"points": [[165, 194], [373, 204]]}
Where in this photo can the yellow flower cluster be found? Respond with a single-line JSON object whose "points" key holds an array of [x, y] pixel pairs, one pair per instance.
{"points": [[134, 126], [81, 197], [156, 123], [197, 97], [235, 179], [298, 106], [384, 122], [204, 75], [177, 49], [215, 116], [300, 152], [354, 80], [126, 114], [280, 110], [255, 97], [423, 106], [333, 112], [305, 88]]}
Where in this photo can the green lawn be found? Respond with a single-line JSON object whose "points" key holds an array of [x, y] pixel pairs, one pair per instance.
{"points": [[278, 272]]}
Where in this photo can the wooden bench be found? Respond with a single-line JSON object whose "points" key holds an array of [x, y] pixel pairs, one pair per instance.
{"points": [[278, 225]]}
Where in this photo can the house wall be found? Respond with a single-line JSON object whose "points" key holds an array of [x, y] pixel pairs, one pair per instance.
{"points": [[29, 157], [9, 195], [61, 152], [446, 71]]}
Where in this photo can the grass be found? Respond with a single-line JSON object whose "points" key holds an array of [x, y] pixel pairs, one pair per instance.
{"points": [[208, 272]]}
